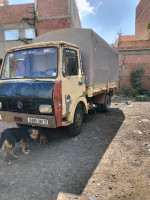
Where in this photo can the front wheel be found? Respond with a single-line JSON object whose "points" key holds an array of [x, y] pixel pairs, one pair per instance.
{"points": [[76, 127]]}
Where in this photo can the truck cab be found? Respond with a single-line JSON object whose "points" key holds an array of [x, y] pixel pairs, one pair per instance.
{"points": [[43, 85]]}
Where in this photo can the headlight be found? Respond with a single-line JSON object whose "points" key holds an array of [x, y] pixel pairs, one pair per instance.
{"points": [[45, 109], [0, 105]]}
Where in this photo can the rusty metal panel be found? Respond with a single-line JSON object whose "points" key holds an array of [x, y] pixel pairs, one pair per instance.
{"points": [[100, 60], [57, 100], [22, 118]]}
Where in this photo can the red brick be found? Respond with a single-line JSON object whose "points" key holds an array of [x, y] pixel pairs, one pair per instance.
{"points": [[53, 24], [142, 20], [137, 44], [131, 62], [141, 6], [51, 8], [13, 14], [52, 15]]}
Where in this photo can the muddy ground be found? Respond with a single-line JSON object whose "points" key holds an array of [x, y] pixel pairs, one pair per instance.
{"points": [[109, 160]]}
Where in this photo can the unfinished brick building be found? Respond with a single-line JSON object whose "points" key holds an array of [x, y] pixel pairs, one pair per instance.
{"points": [[134, 50], [19, 24]]}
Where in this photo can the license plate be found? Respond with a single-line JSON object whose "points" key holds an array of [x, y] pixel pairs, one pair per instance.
{"points": [[37, 121]]}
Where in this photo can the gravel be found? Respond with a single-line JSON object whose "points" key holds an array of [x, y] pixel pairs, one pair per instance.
{"points": [[66, 164]]}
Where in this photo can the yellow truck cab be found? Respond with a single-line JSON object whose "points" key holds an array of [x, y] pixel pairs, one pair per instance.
{"points": [[46, 84]]}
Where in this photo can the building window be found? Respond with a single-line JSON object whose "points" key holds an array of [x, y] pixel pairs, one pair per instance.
{"points": [[30, 33], [11, 34]]}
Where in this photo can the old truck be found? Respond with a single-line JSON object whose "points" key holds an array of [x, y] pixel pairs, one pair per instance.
{"points": [[55, 80]]}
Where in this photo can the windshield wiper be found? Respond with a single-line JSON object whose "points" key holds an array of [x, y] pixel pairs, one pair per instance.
{"points": [[31, 78]]}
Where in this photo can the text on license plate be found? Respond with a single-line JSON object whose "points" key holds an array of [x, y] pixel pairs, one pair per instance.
{"points": [[37, 121]]}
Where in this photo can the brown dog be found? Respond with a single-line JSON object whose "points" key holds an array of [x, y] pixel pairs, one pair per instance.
{"points": [[13, 135]]}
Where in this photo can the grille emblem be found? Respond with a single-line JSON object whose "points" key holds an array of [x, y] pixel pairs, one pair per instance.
{"points": [[19, 105]]}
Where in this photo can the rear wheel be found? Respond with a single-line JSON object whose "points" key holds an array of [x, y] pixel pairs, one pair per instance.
{"points": [[106, 105], [99, 108], [76, 127]]}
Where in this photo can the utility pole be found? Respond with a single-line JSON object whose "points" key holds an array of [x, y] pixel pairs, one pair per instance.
{"points": [[119, 38]]}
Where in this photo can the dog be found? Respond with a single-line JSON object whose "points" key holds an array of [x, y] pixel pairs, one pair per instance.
{"points": [[11, 136], [43, 138]]}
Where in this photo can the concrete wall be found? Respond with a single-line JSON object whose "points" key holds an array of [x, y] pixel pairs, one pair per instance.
{"points": [[10, 19], [75, 20], [4, 44]]}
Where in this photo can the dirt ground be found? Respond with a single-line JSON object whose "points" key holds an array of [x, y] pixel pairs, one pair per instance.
{"points": [[109, 160], [124, 170]]}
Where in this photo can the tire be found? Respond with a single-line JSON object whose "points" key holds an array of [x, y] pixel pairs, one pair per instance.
{"points": [[75, 128], [106, 105], [99, 108]]}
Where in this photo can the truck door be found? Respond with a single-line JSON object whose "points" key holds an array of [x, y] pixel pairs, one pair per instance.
{"points": [[72, 84]]}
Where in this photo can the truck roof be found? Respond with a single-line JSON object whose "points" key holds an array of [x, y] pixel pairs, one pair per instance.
{"points": [[41, 44]]}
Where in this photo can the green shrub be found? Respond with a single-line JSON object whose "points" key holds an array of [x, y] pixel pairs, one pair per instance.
{"points": [[136, 76], [148, 27], [148, 92], [129, 92]]}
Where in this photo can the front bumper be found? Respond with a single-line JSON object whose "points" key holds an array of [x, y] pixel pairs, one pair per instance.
{"points": [[28, 119]]}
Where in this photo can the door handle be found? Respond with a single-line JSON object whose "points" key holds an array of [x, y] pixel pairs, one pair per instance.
{"points": [[68, 98]]}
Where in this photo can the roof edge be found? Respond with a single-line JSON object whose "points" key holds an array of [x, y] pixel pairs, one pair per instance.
{"points": [[41, 44]]}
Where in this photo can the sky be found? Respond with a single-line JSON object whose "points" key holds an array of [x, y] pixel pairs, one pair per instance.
{"points": [[106, 17]]}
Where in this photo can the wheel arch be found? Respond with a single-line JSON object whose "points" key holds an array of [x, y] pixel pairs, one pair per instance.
{"points": [[82, 103]]}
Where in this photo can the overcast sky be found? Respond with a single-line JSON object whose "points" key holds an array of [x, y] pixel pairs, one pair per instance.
{"points": [[106, 17]]}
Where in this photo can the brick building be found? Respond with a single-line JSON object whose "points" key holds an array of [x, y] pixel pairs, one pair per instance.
{"points": [[134, 50], [19, 24], [142, 20]]}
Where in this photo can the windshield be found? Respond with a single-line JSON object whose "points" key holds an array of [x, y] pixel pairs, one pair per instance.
{"points": [[31, 63]]}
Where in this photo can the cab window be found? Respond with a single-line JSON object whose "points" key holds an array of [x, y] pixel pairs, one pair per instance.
{"points": [[70, 63]]}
